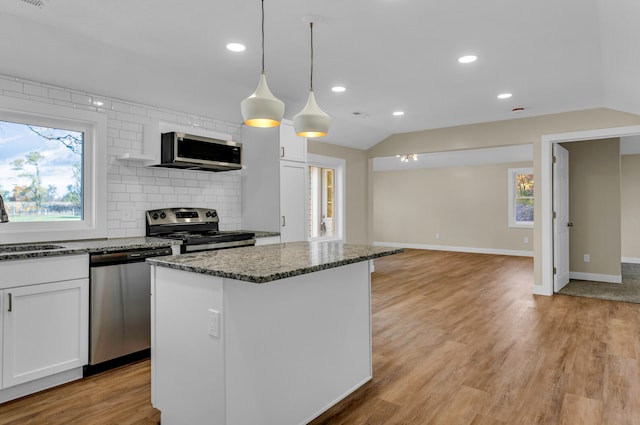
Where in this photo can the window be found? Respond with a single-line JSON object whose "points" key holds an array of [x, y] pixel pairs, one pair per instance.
{"points": [[521, 197], [43, 168], [325, 192], [52, 172]]}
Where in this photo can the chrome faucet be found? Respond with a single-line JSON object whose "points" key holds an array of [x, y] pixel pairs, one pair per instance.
{"points": [[3, 212]]}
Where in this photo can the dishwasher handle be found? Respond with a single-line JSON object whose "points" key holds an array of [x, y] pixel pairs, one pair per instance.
{"points": [[123, 257]]}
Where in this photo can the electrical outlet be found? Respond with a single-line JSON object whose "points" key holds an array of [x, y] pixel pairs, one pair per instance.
{"points": [[525, 240], [587, 258], [437, 235]]}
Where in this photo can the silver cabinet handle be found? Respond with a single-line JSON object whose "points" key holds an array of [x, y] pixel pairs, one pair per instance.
{"points": [[10, 302], [283, 222], [282, 152]]}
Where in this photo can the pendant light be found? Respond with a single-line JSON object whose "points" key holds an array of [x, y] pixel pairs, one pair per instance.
{"points": [[311, 121], [262, 108]]}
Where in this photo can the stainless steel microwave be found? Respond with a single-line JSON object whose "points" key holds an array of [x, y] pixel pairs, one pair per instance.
{"points": [[181, 150]]}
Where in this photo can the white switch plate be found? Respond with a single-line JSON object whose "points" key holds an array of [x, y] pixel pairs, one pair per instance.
{"points": [[214, 323], [587, 258]]}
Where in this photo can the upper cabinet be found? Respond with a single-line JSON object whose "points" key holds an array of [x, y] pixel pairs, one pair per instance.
{"points": [[274, 181], [292, 146]]}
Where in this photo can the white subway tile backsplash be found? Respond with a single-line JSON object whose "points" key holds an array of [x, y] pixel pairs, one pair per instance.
{"points": [[15, 94], [35, 90], [60, 95], [10, 84], [80, 99], [134, 186], [120, 106]]}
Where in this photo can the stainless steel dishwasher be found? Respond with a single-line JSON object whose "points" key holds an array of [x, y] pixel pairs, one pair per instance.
{"points": [[119, 307]]}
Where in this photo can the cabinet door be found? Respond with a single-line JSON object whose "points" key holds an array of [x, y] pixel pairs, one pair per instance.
{"points": [[45, 330], [1, 327], [293, 202], [292, 146]]}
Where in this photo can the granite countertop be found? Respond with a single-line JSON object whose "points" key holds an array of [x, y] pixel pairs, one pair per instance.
{"points": [[35, 250], [260, 264], [25, 251]]}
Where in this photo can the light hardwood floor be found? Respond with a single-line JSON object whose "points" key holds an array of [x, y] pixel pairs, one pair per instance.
{"points": [[458, 339]]}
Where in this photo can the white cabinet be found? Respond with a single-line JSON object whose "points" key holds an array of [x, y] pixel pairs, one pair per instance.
{"points": [[293, 205], [44, 323], [292, 146], [268, 240], [43, 330], [274, 183]]}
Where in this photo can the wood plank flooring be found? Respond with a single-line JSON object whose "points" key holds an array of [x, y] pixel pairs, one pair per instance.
{"points": [[458, 340]]}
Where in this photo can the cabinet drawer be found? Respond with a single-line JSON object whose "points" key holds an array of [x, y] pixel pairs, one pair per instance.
{"points": [[44, 269]]}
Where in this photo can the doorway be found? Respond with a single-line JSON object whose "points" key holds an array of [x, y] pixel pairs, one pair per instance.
{"points": [[546, 193]]}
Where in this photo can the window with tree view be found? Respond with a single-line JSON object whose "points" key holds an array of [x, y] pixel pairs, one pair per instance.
{"points": [[521, 197], [41, 172]]}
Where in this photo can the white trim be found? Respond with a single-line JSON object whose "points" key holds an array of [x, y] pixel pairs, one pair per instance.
{"points": [[595, 277], [473, 250], [630, 260], [27, 388], [511, 173], [94, 223], [544, 183], [339, 165]]}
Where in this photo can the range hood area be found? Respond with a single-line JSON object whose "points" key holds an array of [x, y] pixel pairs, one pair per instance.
{"points": [[170, 145], [192, 152]]}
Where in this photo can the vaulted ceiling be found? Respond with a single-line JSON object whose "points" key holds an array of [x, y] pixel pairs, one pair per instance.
{"points": [[553, 56]]}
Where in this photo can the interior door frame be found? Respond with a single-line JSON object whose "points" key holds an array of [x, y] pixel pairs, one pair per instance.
{"points": [[546, 191]]}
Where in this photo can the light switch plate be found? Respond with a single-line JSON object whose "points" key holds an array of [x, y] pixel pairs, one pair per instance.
{"points": [[214, 323]]}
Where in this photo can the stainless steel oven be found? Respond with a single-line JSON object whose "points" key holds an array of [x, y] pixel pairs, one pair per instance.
{"points": [[196, 228]]}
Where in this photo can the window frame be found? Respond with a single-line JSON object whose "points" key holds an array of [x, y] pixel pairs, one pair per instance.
{"points": [[94, 125], [511, 175], [339, 182]]}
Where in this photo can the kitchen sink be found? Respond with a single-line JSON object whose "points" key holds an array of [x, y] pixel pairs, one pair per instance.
{"points": [[31, 247]]}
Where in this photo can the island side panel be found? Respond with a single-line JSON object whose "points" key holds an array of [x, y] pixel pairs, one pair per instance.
{"points": [[296, 346], [188, 369]]}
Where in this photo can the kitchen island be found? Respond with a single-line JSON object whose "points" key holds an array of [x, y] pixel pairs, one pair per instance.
{"points": [[271, 334]]}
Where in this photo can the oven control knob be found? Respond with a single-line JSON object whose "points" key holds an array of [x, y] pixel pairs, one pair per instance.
{"points": [[155, 216], [163, 215], [214, 214]]}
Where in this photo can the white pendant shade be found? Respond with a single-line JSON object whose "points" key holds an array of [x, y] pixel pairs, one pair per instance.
{"points": [[262, 108], [311, 121]]}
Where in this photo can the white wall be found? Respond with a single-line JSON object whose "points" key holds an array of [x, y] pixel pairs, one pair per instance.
{"points": [[133, 188]]}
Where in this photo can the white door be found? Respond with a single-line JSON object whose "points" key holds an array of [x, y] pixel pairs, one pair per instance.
{"points": [[45, 330], [561, 213], [293, 202]]}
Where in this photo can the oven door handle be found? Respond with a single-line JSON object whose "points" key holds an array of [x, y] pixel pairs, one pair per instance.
{"points": [[218, 245]]}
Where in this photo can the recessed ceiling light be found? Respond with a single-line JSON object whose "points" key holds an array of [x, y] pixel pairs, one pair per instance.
{"points": [[236, 47], [398, 113], [504, 95], [467, 59], [338, 89], [98, 103]]}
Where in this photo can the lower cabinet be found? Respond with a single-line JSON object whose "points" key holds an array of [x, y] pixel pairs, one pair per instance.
{"points": [[44, 329], [44, 323]]}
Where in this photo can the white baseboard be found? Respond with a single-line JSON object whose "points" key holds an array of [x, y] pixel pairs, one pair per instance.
{"points": [[512, 252], [541, 290], [630, 260], [609, 278]]}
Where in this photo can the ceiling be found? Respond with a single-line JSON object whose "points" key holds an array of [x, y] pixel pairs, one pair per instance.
{"points": [[554, 56]]}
